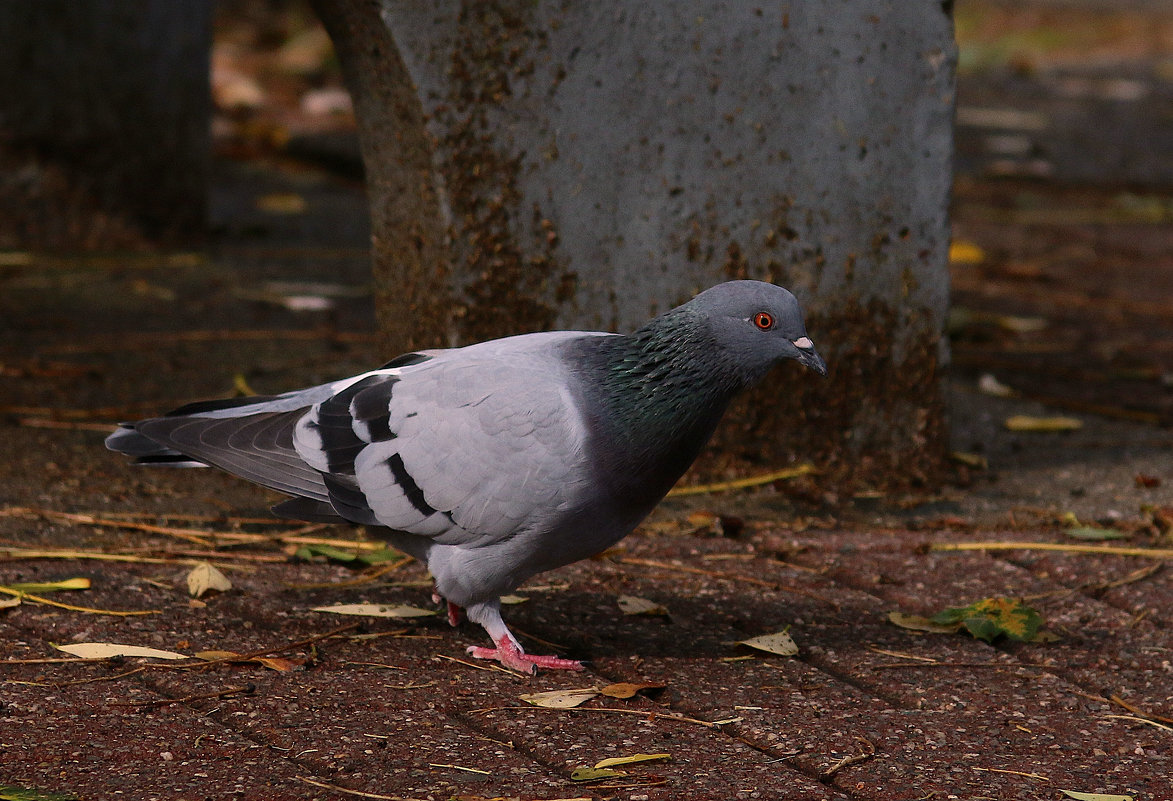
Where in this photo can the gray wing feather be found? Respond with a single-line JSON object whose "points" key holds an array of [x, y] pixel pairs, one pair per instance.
{"points": [[469, 447]]}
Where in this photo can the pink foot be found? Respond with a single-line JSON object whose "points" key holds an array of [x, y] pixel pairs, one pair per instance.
{"points": [[509, 654]]}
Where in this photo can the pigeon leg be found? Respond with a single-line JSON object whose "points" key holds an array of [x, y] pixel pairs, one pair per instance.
{"points": [[508, 651]]}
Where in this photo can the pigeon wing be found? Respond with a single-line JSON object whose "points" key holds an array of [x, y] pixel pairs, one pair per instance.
{"points": [[466, 448]]}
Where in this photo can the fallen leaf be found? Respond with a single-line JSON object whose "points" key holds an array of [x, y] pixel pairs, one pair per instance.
{"points": [[306, 553], [632, 605], [1145, 481], [1020, 325], [204, 577], [513, 600], [989, 385], [211, 656], [272, 662], [362, 559], [1022, 422], [1089, 533], [780, 643], [964, 252], [279, 663], [376, 610], [105, 650], [282, 203], [629, 760], [1095, 796], [560, 699], [585, 774], [42, 587], [991, 618], [918, 623], [627, 689], [972, 460]]}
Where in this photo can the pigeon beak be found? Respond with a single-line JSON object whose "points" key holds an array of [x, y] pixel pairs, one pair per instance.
{"points": [[808, 356]]}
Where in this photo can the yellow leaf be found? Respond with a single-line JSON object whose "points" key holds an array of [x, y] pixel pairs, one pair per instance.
{"points": [[1095, 796], [7, 603], [1022, 422], [375, 610], [629, 760], [964, 252], [585, 774], [512, 600], [204, 577], [918, 623], [282, 203], [780, 643], [105, 650], [39, 587], [560, 699]]}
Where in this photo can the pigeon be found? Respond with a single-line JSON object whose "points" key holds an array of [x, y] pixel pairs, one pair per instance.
{"points": [[496, 461]]}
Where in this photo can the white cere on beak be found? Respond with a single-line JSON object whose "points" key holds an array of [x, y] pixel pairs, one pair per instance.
{"points": [[803, 343]]}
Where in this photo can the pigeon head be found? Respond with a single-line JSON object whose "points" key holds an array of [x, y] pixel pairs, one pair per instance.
{"points": [[756, 325]]}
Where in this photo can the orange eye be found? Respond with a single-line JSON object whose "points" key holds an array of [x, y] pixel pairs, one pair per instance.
{"points": [[764, 320]]}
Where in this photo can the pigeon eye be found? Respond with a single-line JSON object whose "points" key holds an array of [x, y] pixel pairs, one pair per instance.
{"points": [[764, 320]]}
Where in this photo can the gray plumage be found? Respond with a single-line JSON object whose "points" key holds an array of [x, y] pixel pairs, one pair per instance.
{"points": [[496, 461]]}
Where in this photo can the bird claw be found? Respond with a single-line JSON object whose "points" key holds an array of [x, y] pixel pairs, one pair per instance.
{"points": [[510, 655]]}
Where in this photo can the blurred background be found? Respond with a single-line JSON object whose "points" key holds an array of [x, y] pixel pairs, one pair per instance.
{"points": [[1062, 254]]}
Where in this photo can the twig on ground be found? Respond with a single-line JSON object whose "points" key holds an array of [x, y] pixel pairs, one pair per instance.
{"points": [[28, 596], [803, 469], [335, 788], [244, 689], [713, 724], [854, 759], [1010, 545], [1134, 709]]}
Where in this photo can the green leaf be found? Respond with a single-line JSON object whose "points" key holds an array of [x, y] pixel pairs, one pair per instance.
{"points": [[993, 617], [380, 556], [306, 553], [43, 587]]}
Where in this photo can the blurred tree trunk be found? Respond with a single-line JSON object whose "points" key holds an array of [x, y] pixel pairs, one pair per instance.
{"points": [[542, 164], [115, 92]]}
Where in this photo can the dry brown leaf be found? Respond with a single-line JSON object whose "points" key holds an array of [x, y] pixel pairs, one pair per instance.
{"points": [[8, 603], [627, 689], [560, 699], [633, 605]]}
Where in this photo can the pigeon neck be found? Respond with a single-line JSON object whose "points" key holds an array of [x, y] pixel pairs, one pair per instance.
{"points": [[662, 391]]}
